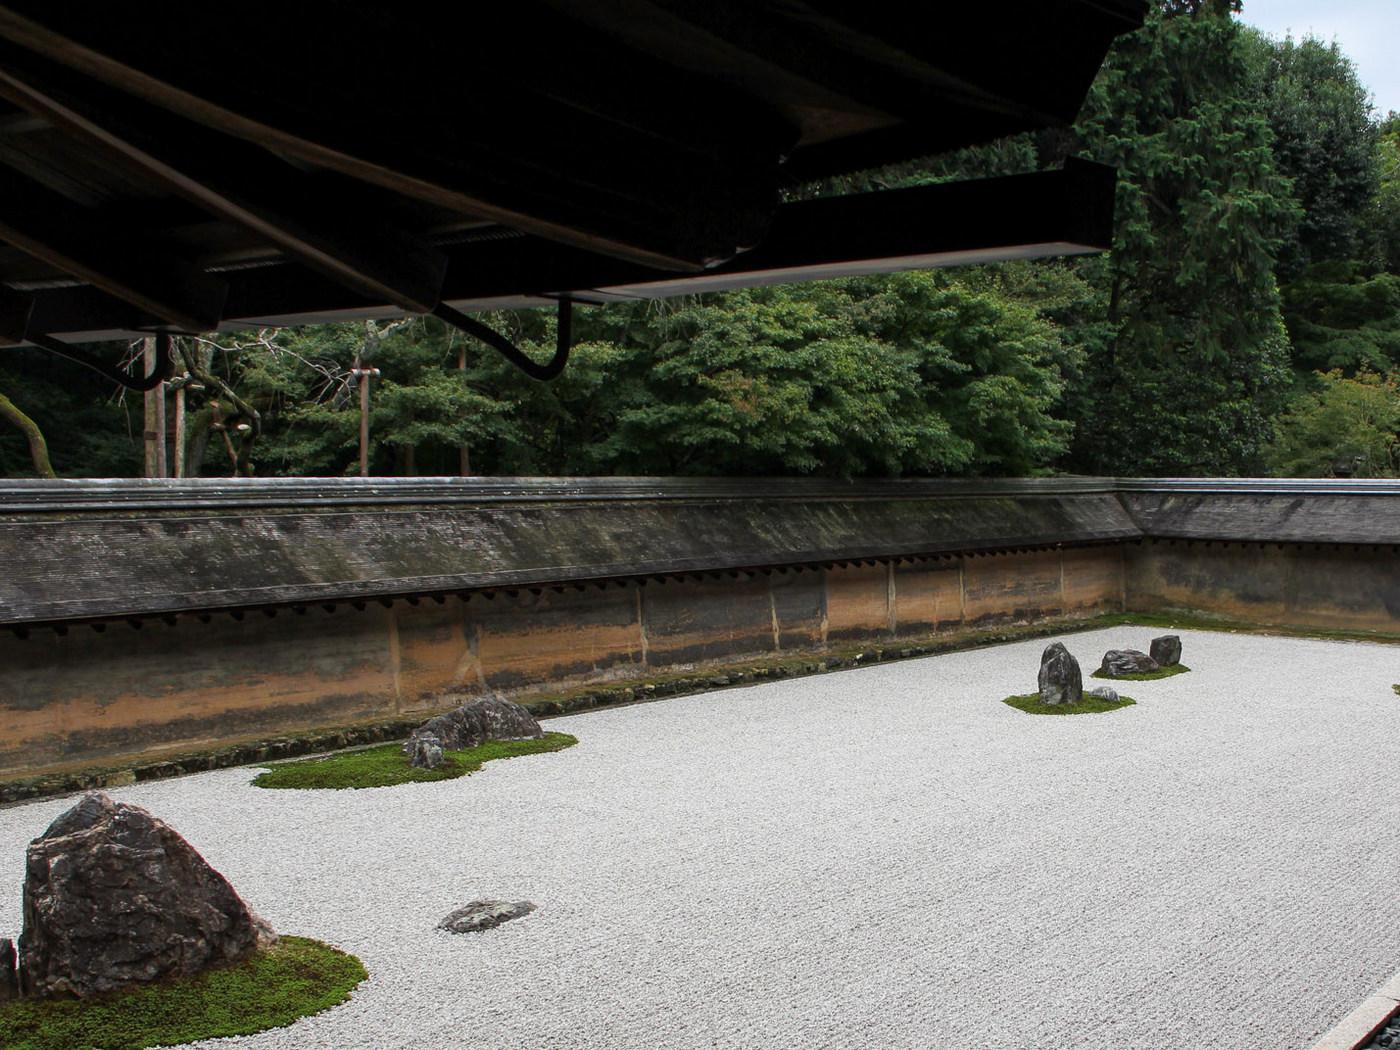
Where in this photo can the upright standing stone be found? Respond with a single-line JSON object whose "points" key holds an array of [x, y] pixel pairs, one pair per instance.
{"points": [[1166, 650], [1060, 679], [114, 897]]}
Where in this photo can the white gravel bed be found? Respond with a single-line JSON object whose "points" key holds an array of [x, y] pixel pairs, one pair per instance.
{"points": [[884, 857]]}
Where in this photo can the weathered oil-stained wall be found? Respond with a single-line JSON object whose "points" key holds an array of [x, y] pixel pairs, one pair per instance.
{"points": [[138, 617], [1313, 586], [86, 696]]}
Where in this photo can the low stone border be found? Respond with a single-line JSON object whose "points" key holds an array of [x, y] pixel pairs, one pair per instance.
{"points": [[1358, 1028]]}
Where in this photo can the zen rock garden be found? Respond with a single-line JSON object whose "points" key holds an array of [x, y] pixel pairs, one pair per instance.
{"points": [[114, 900], [1060, 683]]}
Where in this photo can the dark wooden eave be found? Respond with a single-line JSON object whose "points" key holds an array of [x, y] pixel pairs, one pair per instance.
{"points": [[297, 161]]}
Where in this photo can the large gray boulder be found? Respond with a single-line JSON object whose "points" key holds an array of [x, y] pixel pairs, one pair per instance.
{"points": [[475, 722], [1120, 662], [114, 897], [1166, 650], [1060, 679]]}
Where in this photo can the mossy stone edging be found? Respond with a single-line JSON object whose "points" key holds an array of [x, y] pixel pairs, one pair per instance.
{"points": [[15, 791], [295, 978], [1031, 704], [387, 766]]}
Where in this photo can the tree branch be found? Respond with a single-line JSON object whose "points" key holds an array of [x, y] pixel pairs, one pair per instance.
{"points": [[38, 447]]}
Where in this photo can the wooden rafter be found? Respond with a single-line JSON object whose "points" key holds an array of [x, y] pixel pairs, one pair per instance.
{"points": [[76, 241], [370, 256]]}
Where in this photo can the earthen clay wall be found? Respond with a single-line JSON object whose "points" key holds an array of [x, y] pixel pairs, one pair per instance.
{"points": [[1318, 587], [143, 618], [84, 696]]}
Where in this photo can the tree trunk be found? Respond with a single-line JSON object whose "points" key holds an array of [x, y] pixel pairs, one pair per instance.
{"points": [[464, 462], [179, 448], [155, 419], [38, 447]]}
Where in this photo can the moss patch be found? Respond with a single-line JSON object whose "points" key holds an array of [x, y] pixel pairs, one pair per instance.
{"points": [[1144, 676], [295, 978], [386, 766], [1185, 620], [1088, 705]]}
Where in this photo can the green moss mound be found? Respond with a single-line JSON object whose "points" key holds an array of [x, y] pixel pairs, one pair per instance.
{"points": [[295, 978], [1144, 676], [386, 766], [1088, 705]]}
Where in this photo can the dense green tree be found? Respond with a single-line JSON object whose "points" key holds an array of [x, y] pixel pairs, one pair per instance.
{"points": [[1341, 426], [1386, 211], [910, 373], [1341, 315], [91, 430], [1194, 365], [1325, 141]]}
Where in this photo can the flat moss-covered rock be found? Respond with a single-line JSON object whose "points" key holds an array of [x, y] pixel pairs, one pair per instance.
{"points": [[1144, 676], [475, 722], [295, 978], [1120, 663], [1088, 704], [385, 766]]}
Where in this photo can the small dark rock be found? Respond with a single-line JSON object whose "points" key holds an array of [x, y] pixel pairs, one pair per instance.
{"points": [[1061, 681], [114, 897], [1103, 692], [484, 915], [1120, 662], [1166, 650], [424, 752], [9, 971], [477, 721]]}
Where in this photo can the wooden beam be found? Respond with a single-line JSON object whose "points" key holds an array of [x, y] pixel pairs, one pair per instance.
{"points": [[48, 226], [1022, 216], [553, 170], [370, 256]]}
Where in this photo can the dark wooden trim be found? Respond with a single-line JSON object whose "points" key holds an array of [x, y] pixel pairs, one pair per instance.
{"points": [[118, 261], [355, 249], [1046, 213]]}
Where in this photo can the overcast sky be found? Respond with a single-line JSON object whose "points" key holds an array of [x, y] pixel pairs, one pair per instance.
{"points": [[1367, 30]]}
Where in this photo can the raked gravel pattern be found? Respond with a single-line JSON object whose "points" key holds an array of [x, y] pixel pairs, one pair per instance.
{"points": [[884, 857]]}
